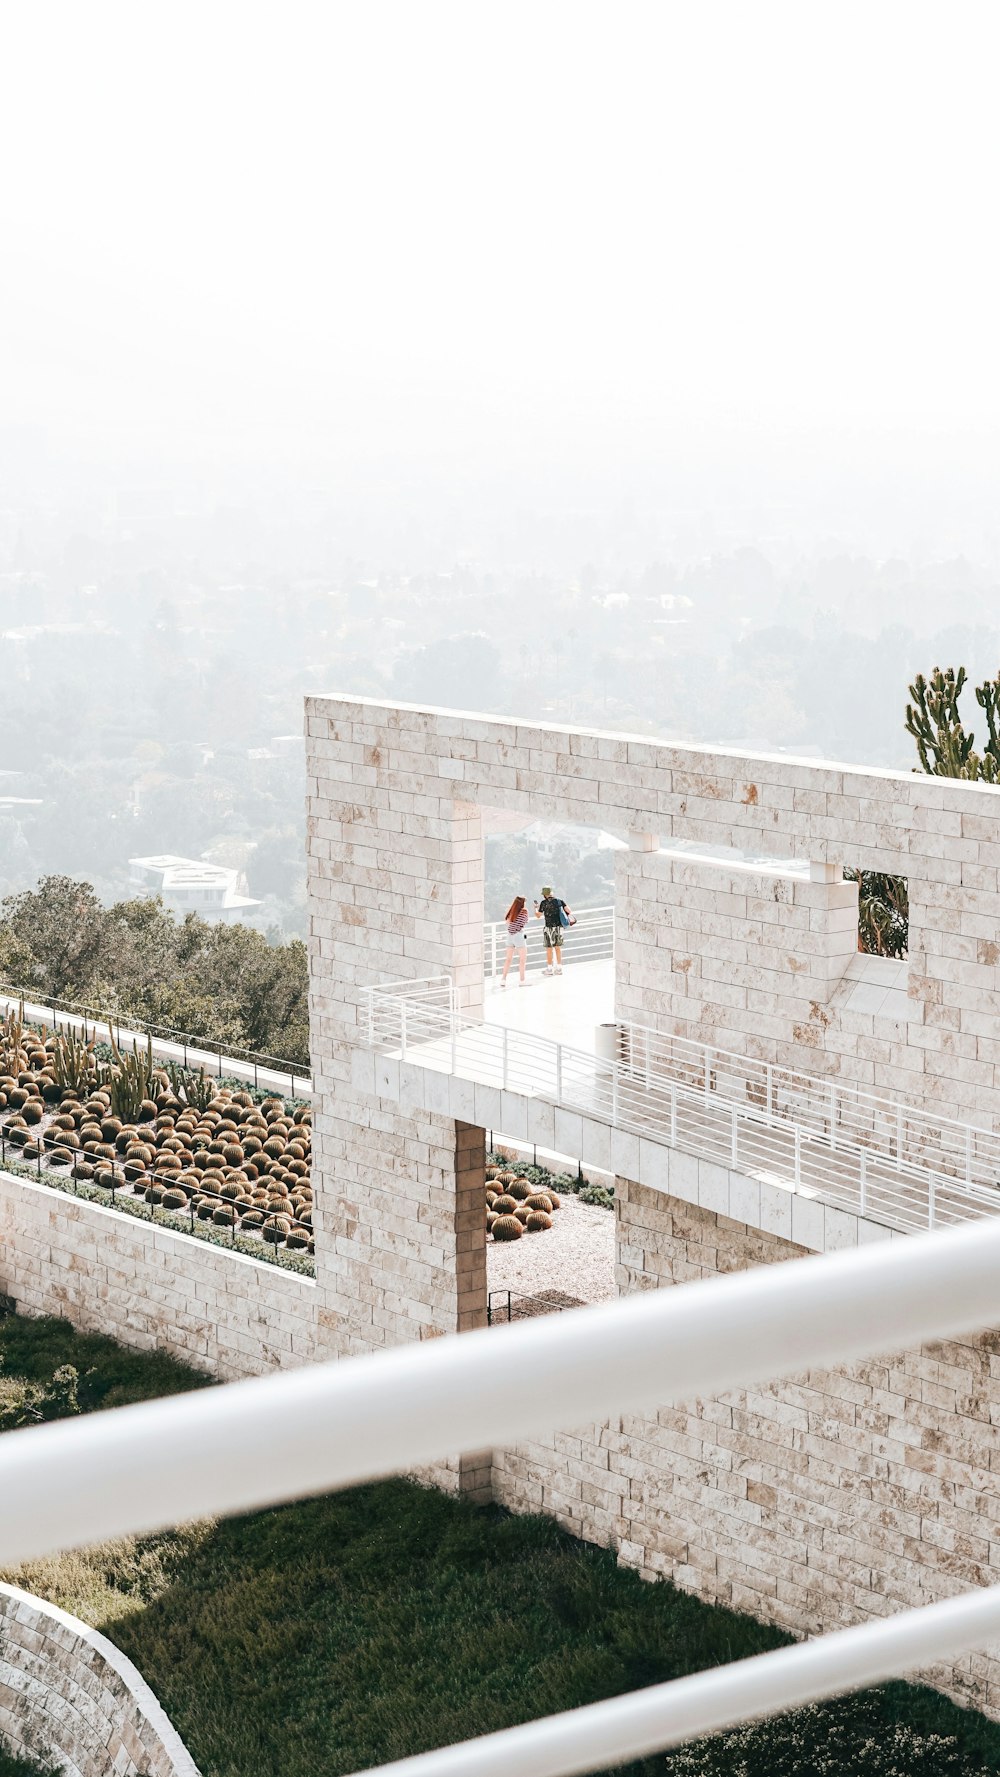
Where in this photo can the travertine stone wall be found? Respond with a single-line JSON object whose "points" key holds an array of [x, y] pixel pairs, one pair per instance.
{"points": [[842, 1496], [68, 1697], [389, 783], [150, 1288], [395, 883], [730, 954]]}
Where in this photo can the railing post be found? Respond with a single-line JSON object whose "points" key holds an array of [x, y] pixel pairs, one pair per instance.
{"points": [[734, 1135], [402, 1029], [899, 1138], [673, 1114], [708, 1074], [833, 1115], [503, 1053], [798, 1155], [559, 1091], [968, 1155], [931, 1200], [770, 1090], [453, 1022], [614, 1092], [863, 1205]]}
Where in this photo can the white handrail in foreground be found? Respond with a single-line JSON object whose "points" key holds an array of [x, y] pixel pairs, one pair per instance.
{"points": [[284, 1437], [664, 1715], [251, 1444]]}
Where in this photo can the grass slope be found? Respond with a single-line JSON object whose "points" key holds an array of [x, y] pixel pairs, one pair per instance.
{"points": [[334, 1634]]}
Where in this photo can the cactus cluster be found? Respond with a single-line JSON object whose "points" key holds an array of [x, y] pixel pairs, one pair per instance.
{"points": [[515, 1206], [176, 1139]]}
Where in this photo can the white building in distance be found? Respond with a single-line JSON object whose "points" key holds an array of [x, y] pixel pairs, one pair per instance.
{"points": [[188, 885]]}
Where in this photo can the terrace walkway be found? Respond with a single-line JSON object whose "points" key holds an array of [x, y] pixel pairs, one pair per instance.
{"points": [[858, 1150]]}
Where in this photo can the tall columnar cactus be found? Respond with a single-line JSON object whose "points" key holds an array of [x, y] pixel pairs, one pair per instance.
{"points": [[72, 1062], [130, 1079], [944, 748]]}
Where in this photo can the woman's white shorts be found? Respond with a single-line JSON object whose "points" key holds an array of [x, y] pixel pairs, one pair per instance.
{"points": [[517, 940]]}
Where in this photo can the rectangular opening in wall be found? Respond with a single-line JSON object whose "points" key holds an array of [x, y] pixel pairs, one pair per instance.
{"points": [[878, 978], [883, 913]]}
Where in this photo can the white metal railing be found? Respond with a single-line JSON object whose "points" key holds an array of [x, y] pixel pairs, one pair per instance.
{"points": [[855, 1148], [287, 1436], [591, 940]]}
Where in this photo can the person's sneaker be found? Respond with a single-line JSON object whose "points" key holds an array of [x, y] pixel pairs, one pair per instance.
{"points": [[548, 971], [559, 969], [501, 985]]}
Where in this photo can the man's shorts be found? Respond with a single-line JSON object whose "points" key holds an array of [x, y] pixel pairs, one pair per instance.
{"points": [[555, 937]]}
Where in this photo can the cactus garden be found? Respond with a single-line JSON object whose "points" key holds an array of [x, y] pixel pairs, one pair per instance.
{"points": [[204, 1156], [515, 1205]]}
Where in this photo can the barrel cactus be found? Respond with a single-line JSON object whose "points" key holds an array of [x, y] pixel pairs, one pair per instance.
{"points": [[537, 1220], [506, 1227], [538, 1200], [275, 1229], [173, 1198], [519, 1189], [505, 1206]]}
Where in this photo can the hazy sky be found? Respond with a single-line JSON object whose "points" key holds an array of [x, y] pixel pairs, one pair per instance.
{"points": [[608, 234]]}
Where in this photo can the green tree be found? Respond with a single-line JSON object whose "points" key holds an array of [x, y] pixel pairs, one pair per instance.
{"points": [[883, 912], [225, 984], [62, 932]]}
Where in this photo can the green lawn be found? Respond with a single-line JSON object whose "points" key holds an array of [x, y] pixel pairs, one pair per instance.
{"points": [[323, 1637]]}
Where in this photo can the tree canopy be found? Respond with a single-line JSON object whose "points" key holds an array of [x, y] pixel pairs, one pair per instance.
{"points": [[222, 983]]}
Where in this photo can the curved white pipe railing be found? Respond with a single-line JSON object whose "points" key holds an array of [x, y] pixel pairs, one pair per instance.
{"points": [[299, 1432], [251, 1444], [665, 1715]]}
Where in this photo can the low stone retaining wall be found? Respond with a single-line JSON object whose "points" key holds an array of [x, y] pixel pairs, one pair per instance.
{"points": [[70, 1699], [149, 1287]]}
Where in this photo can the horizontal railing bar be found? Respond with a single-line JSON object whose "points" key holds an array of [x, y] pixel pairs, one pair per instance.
{"points": [[642, 1100], [252, 1444], [664, 1715], [129, 1025]]}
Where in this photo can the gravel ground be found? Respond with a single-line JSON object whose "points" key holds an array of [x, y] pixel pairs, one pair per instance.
{"points": [[575, 1258]]}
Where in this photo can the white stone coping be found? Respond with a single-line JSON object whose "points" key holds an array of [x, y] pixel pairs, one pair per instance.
{"points": [[155, 1232], [607, 743], [144, 1709]]}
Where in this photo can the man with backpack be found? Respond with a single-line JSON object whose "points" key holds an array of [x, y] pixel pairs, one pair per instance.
{"points": [[557, 917]]}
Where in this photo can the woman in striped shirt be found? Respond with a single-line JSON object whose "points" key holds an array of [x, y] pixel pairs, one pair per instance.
{"points": [[517, 938]]}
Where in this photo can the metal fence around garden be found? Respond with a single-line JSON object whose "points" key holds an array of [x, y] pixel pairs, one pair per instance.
{"points": [[107, 1183], [194, 1052]]}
